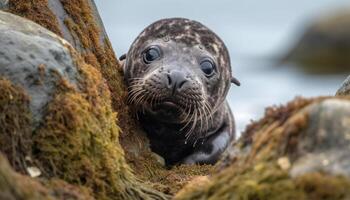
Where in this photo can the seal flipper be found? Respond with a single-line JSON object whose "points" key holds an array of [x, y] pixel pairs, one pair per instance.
{"points": [[210, 151]]}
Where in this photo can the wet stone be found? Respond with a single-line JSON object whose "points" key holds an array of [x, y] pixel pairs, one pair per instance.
{"points": [[28, 56]]}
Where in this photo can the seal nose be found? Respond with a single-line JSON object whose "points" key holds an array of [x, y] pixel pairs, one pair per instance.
{"points": [[176, 81]]}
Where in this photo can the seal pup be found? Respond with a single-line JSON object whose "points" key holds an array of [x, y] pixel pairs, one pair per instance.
{"points": [[178, 74]]}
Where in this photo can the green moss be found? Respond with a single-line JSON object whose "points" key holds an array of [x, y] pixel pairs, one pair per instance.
{"points": [[18, 186], [15, 186], [62, 190], [97, 51], [267, 181], [78, 140], [15, 123], [169, 181], [320, 186], [37, 11]]}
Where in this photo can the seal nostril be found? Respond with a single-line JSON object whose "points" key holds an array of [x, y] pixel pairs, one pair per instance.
{"points": [[169, 79], [182, 83]]}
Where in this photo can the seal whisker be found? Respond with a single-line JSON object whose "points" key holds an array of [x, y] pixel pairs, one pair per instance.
{"points": [[205, 115], [131, 97], [210, 114], [187, 114], [200, 119], [193, 125], [189, 120], [134, 95]]}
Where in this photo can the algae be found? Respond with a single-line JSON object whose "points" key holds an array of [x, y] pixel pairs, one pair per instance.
{"points": [[267, 181], [37, 11], [14, 186], [97, 51], [15, 123]]}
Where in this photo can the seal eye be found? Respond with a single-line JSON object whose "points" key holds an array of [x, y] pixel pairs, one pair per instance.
{"points": [[151, 54], [208, 67]]}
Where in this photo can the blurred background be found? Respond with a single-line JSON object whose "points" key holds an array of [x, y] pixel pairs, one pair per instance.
{"points": [[279, 49]]}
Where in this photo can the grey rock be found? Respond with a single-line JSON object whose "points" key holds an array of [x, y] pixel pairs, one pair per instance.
{"points": [[4, 4], [325, 144], [345, 88], [325, 45], [33, 58]]}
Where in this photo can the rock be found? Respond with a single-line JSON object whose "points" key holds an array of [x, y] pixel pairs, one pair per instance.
{"points": [[34, 58], [324, 146], [325, 45], [4, 4], [56, 115], [298, 151], [345, 88]]}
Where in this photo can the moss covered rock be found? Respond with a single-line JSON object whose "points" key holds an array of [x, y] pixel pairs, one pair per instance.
{"points": [[298, 151], [57, 115], [325, 45], [78, 22]]}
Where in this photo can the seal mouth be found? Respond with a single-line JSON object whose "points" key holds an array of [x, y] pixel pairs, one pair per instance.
{"points": [[167, 105], [167, 109]]}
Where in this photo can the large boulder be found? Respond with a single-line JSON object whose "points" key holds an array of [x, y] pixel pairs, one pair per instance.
{"points": [[325, 45], [299, 151], [56, 117]]}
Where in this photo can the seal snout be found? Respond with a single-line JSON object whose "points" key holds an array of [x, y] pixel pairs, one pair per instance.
{"points": [[176, 81]]}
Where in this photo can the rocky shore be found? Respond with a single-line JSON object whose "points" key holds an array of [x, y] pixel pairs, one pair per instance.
{"points": [[66, 131]]}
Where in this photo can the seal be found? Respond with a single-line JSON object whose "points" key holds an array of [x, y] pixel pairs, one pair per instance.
{"points": [[178, 74]]}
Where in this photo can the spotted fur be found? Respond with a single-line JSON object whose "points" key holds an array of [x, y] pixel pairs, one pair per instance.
{"points": [[211, 125]]}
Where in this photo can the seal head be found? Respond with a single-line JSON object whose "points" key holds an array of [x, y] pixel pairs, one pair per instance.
{"points": [[178, 73]]}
